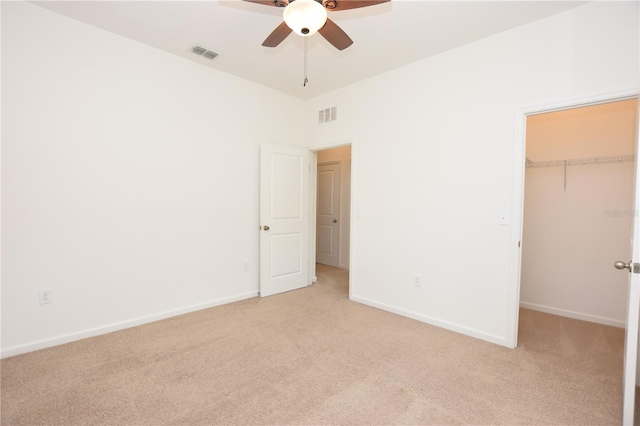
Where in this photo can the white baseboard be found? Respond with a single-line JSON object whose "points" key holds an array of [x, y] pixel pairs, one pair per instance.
{"points": [[572, 314], [467, 331], [92, 332]]}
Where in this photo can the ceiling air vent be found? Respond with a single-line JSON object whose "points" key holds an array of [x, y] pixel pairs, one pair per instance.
{"points": [[203, 51], [327, 115], [209, 54]]}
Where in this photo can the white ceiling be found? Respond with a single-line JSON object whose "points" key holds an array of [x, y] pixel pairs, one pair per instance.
{"points": [[385, 36]]}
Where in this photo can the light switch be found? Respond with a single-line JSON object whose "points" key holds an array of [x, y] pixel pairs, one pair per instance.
{"points": [[504, 217]]}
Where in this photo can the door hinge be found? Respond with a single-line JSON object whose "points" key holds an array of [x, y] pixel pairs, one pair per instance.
{"points": [[636, 268]]}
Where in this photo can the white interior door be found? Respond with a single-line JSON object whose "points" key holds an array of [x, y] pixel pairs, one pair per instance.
{"points": [[328, 214], [284, 219], [633, 309]]}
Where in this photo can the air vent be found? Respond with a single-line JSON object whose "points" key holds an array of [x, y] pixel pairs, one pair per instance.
{"points": [[327, 115], [209, 54], [198, 50], [203, 51]]}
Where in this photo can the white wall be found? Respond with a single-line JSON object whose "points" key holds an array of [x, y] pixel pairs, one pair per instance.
{"points": [[433, 154], [572, 237], [129, 180], [342, 155]]}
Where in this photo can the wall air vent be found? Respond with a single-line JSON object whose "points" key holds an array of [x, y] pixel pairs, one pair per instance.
{"points": [[327, 115], [203, 51]]}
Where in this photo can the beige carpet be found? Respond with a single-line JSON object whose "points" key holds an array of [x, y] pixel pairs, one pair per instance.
{"points": [[313, 357]]}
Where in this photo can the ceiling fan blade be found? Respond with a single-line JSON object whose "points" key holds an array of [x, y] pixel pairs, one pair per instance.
{"points": [[334, 35], [267, 2], [275, 38], [353, 4]]}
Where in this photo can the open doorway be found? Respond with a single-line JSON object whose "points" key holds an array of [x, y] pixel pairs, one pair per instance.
{"points": [[333, 207], [578, 211], [579, 216]]}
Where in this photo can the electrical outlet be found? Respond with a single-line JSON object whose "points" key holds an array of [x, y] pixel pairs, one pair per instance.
{"points": [[416, 280], [245, 265], [45, 295]]}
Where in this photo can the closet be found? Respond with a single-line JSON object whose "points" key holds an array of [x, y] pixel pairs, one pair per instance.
{"points": [[578, 211]]}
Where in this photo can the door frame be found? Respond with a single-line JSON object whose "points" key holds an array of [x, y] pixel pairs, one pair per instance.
{"points": [[313, 194], [517, 199]]}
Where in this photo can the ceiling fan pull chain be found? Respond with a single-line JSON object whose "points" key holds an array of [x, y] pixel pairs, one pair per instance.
{"points": [[306, 46]]}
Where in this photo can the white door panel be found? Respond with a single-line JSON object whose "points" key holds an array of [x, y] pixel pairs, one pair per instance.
{"points": [[328, 214], [285, 254], [284, 219], [326, 179], [285, 186], [324, 239]]}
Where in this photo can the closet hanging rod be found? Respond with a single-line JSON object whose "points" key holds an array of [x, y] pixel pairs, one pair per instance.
{"points": [[589, 160]]}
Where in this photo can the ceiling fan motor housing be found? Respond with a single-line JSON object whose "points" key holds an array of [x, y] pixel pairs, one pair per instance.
{"points": [[329, 4]]}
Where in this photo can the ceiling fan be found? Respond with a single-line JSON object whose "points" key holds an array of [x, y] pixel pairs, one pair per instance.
{"points": [[306, 17]]}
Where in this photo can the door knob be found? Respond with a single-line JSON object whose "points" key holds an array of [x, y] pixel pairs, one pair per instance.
{"points": [[335, 220], [621, 265], [266, 227]]}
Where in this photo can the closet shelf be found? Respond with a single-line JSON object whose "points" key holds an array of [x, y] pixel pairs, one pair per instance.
{"points": [[577, 161]]}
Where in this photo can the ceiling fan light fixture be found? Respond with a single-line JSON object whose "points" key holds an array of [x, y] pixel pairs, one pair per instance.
{"points": [[305, 17]]}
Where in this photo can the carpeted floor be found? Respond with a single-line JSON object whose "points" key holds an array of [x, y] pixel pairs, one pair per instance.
{"points": [[311, 356]]}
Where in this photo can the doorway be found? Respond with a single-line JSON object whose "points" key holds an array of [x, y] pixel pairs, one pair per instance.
{"points": [[288, 213], [603, 160], [333, 208], [578, 211]]}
